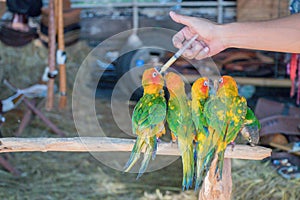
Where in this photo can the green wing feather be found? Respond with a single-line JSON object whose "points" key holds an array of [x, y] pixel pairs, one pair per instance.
{"points": [[225, 115], [147, 121], [251, 127], [149, 111], [251, 119], [198, 117], [235, 116]]}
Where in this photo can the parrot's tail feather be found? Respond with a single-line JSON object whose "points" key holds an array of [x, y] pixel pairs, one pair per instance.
{"points": [[188, 165], [203, 168], [147, 158], [209, 158], [196, 152], [132, 160], [135, 154], [220, 164], [199, 173], [150, 152], [154, 149]]}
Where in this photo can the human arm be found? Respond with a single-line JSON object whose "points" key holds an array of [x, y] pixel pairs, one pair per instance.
{"points": [[281, 35]]}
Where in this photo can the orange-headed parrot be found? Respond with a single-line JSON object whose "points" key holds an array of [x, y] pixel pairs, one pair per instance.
{"points": [[180, 123], [204, 149], [148, 119], [225, 114]]}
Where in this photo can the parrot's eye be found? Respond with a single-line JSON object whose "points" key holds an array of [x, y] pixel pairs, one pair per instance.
{"points": [[249, 139], [221, 80], [205, 83], [154, 74]]}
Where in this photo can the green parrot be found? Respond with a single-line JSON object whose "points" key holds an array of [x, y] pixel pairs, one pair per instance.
{"points": [[181, 125], [148, 119], [251, 127], [225, 115], [203, 148]]}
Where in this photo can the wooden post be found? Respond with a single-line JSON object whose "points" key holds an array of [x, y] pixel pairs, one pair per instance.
{"points": [[51, 56], [212, 189], [61, 48]]}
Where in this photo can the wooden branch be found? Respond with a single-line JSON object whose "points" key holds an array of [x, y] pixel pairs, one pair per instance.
{"points": [[105, 144]]}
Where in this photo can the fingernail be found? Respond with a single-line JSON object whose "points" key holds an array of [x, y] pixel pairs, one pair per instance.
{"points": [[206, 49], [178, 45]]}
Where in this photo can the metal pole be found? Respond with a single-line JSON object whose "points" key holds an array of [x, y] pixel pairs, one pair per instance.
{"points": [[135, 15], [220, 11]]}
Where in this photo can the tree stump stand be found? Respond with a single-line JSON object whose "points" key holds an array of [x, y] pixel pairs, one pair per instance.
{"points": [[211, 189]]}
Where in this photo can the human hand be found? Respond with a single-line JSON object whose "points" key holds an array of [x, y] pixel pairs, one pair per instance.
{"points": [[207, 44]]}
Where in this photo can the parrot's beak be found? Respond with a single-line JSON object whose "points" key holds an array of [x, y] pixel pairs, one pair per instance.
{"points": [[158, 68], [164, 73], [211, 86], [216, 85]]}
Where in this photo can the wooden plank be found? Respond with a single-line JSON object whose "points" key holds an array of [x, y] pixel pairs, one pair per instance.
{"points": [[257, 10], [262, 82], [105, 144]]}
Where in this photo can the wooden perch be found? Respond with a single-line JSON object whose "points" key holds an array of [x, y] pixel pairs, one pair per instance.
{"points": [[105, 144], [211, 189]]}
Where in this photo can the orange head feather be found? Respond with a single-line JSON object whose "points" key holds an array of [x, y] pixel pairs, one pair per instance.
{"points": [[174, 84], [200, 88], [152, 81], [227, 86]]}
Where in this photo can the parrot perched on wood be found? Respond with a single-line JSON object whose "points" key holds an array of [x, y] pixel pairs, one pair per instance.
{"points": [[204, 152], [148, 119], [251, 127], [181, 125], [225, 114]]}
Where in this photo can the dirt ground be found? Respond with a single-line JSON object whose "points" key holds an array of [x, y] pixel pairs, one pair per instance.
{"points": [[56, 175]]}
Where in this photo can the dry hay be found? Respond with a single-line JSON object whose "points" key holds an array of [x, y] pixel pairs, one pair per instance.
{"points": [[259, 180], [24, 66]]}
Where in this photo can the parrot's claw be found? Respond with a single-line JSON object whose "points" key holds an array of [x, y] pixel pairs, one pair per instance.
{"points": [[218, 177], [174, 143], [158, 140], [232, 143], [174, 139]]}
